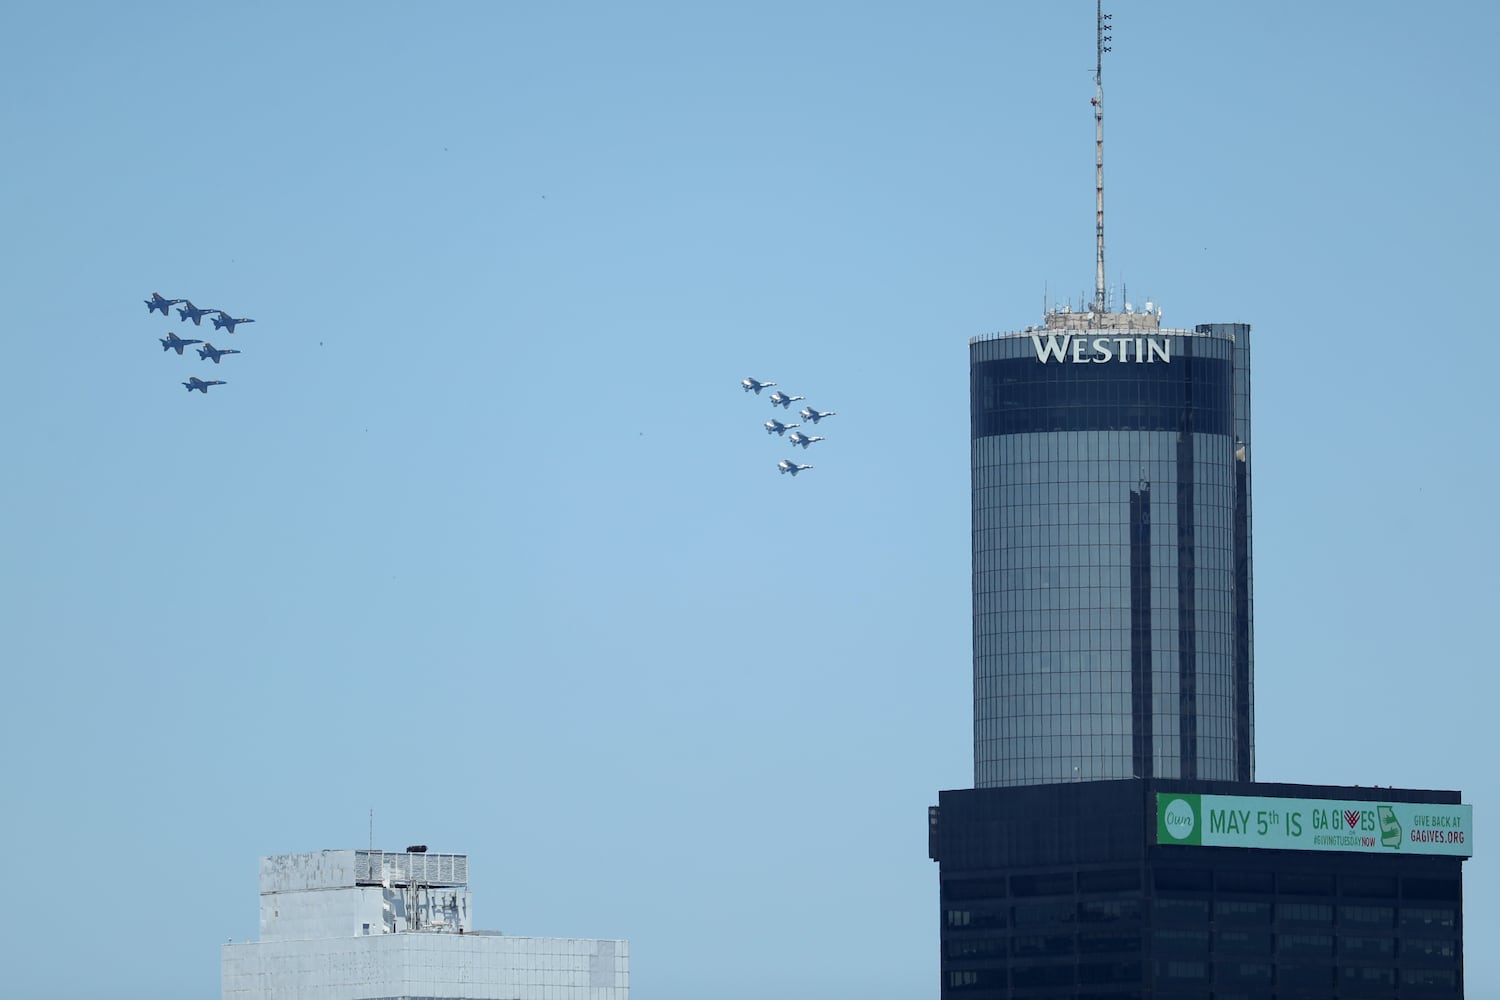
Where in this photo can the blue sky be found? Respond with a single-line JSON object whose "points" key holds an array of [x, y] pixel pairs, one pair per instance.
{"points": [[482, 533]]}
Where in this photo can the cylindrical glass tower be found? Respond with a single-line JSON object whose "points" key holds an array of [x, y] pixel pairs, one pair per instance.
{"points": [[1111, 501]]}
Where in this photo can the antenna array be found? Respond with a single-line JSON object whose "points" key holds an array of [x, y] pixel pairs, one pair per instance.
{"points": [[1100, 293]]}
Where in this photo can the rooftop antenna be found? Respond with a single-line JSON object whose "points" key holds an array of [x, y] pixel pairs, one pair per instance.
{"points": [[1098, 102]]}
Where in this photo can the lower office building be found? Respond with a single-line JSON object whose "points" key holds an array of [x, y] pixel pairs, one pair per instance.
{"points": [[1180, 888], [376, 925]]}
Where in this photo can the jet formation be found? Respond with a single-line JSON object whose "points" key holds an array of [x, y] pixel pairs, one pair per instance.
{"points": [[208, 352], [222, 320], [774, 426]]}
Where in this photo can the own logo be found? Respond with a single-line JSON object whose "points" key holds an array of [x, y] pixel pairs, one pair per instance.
{"points": [[1178, 819]]}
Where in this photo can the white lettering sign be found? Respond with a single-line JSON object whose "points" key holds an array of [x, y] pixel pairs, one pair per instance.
{"points": [[1100, 350]]}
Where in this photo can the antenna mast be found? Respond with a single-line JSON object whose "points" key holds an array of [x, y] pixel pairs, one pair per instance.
{"points": [[1098, 102]]}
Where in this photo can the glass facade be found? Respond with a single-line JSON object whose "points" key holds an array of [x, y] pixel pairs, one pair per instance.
{"points": [[1111, 552], [1057, 890]]}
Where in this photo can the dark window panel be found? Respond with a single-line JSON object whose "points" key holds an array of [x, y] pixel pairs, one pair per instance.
{"points": [[1190, 879]]}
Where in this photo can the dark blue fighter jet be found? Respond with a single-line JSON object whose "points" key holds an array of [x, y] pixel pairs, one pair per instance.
{"points": [[172, 342], [158, 304], [201, 385], [224, 320], [193, 313], [209, 351]]}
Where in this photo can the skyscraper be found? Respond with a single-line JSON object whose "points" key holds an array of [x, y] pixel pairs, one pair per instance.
{"points": [[1110, 462], [1111, 537], [1116, 845]]}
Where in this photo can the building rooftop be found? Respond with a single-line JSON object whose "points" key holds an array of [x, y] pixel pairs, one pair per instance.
{"points": [[346, 868]]}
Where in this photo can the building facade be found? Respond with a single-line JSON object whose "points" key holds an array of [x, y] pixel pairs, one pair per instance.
{"points": [[1110, 463], [377, 925], [1082, 891]]}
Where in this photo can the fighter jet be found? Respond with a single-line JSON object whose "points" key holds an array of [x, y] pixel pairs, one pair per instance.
{"points": [[193, 313], [808, 413], [781, 399], [158, 304], [755, 385], [799, 438], [777, 427], [202, 385], [787, 465], [209, 351], [172, 342], [225, 320]]}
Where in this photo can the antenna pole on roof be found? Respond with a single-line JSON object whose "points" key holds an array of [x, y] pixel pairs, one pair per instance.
{"points": [[1103, 19]]}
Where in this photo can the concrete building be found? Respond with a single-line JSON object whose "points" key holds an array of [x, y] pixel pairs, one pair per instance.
{"points": [[376, 925]]}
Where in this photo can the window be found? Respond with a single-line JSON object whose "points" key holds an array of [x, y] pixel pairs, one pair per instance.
{"points": [[1179, 942], [1421, 918], [1043, 885], [1038, 914], [1425, 948], [1231, 881], [1367, 947], [1184, 878], [974, 888], [1240, 911], [1305, 944], [1366, 916], [976, 916], [1381, 887], [1302, 884], [1043, 975], [984, 947], [1179, 969], [1431, 888], [1095, 942], [1318, 976], [1445, 978], [1248, 942], [1101, 973], [1119, 880], [1181, 910], [1306, 913], [1369, 975], [1243, 972], [1041, 945]]}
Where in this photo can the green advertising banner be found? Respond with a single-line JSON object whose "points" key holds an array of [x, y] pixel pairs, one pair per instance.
{"points": [[1314, 824]]}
